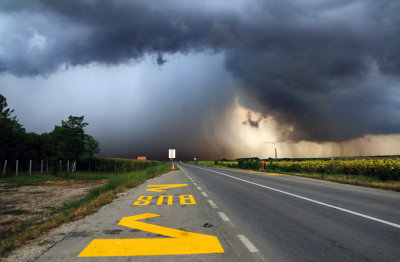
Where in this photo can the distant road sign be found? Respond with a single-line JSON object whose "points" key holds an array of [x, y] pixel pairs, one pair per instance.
{"points": [[171, 153]]}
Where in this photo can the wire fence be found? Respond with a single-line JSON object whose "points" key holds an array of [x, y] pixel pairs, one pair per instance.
{"points": [[17, 167]]}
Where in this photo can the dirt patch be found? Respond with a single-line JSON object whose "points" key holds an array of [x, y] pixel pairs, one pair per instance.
{"points": [[32, 202]]}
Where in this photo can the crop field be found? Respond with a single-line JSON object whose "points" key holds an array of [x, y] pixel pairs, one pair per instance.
{"points": [[385, 169], [381, 168], [116, 165]]}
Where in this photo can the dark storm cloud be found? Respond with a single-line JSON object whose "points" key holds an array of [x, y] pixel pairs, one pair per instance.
{"points": [[160, 59], [329, 69], [253, 123], [328, 73]]}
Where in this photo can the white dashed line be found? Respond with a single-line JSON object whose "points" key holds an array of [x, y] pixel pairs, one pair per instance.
{"points": [[212, 204], [309, 199], [204, 194], [199, 188], [195, 184], [248, 244], [223, 216]]}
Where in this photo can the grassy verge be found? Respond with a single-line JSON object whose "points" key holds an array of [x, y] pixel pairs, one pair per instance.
{"points": [[353, 180], [366, 181], [38, 178], [23, 231]]}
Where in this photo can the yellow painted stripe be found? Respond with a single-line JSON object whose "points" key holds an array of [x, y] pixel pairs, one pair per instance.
{"points": [[179, 242], [162, 188]]}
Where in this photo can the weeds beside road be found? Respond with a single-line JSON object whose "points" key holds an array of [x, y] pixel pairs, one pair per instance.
{"points": [[15, 232]]}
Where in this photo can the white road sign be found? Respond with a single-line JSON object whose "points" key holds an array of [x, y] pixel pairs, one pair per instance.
{"points": [[171, 153]]}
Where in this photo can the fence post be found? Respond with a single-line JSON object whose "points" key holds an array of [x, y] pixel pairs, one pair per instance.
{"points": [[67, 166], [60, 166], [5, 167], [16, 168], [30, 167], [41, 166], [74, 166], [47, 165]]}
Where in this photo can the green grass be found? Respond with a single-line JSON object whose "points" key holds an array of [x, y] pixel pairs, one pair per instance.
{"points": [[353, 180], [15, 212], [37, 178], [6, 222], [23, 231]]}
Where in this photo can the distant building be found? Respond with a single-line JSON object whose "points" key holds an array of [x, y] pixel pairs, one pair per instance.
{"points": [[141, 158]]}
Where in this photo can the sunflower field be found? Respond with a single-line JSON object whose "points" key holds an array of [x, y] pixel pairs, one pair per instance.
{"points": [[382, 168], [385, 169]]}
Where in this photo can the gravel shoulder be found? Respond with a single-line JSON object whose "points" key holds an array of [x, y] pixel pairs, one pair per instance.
{"points": [[35, 203]]}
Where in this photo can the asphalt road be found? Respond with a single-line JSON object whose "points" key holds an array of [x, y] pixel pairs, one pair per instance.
{"points": [[211, 214], [298, 219]]}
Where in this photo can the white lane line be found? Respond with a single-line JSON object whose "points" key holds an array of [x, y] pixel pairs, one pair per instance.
{"points": [[212, 204], [195, 184], [204, 194], [223, 216], [309, 199], [184, 172], [248, 244], [199, 188]]}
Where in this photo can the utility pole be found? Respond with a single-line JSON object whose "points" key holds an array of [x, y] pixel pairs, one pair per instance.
{"points": [[5, 167], [276, 154]]}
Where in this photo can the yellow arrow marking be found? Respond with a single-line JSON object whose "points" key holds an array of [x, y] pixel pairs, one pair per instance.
{"points": [[180, 243], [162, 188]]}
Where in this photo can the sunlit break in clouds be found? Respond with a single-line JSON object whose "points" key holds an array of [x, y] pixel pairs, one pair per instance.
{"points": [[211, 79]]}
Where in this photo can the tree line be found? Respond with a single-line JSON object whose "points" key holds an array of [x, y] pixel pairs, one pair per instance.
{"points": [[66, 142]]}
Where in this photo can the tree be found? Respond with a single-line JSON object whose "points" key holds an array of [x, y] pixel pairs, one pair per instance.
{"points": [[4, 113], [69, 139], [11, 133], [74, 122], [65, 142], [91, 147]]}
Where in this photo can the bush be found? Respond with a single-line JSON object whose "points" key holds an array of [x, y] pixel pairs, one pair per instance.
{"points": [[115, 165]]}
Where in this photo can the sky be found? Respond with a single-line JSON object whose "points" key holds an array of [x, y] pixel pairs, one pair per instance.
{"points": [[210, 79]]}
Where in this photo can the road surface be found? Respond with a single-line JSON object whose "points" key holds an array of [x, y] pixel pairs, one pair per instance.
{"points": [[209, 214]]}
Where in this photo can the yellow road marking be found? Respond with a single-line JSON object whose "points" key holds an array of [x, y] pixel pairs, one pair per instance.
{"points": [[179, 242], [162, 188], [187, 200], [143, 201], [161, 199], [183, 200]]}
